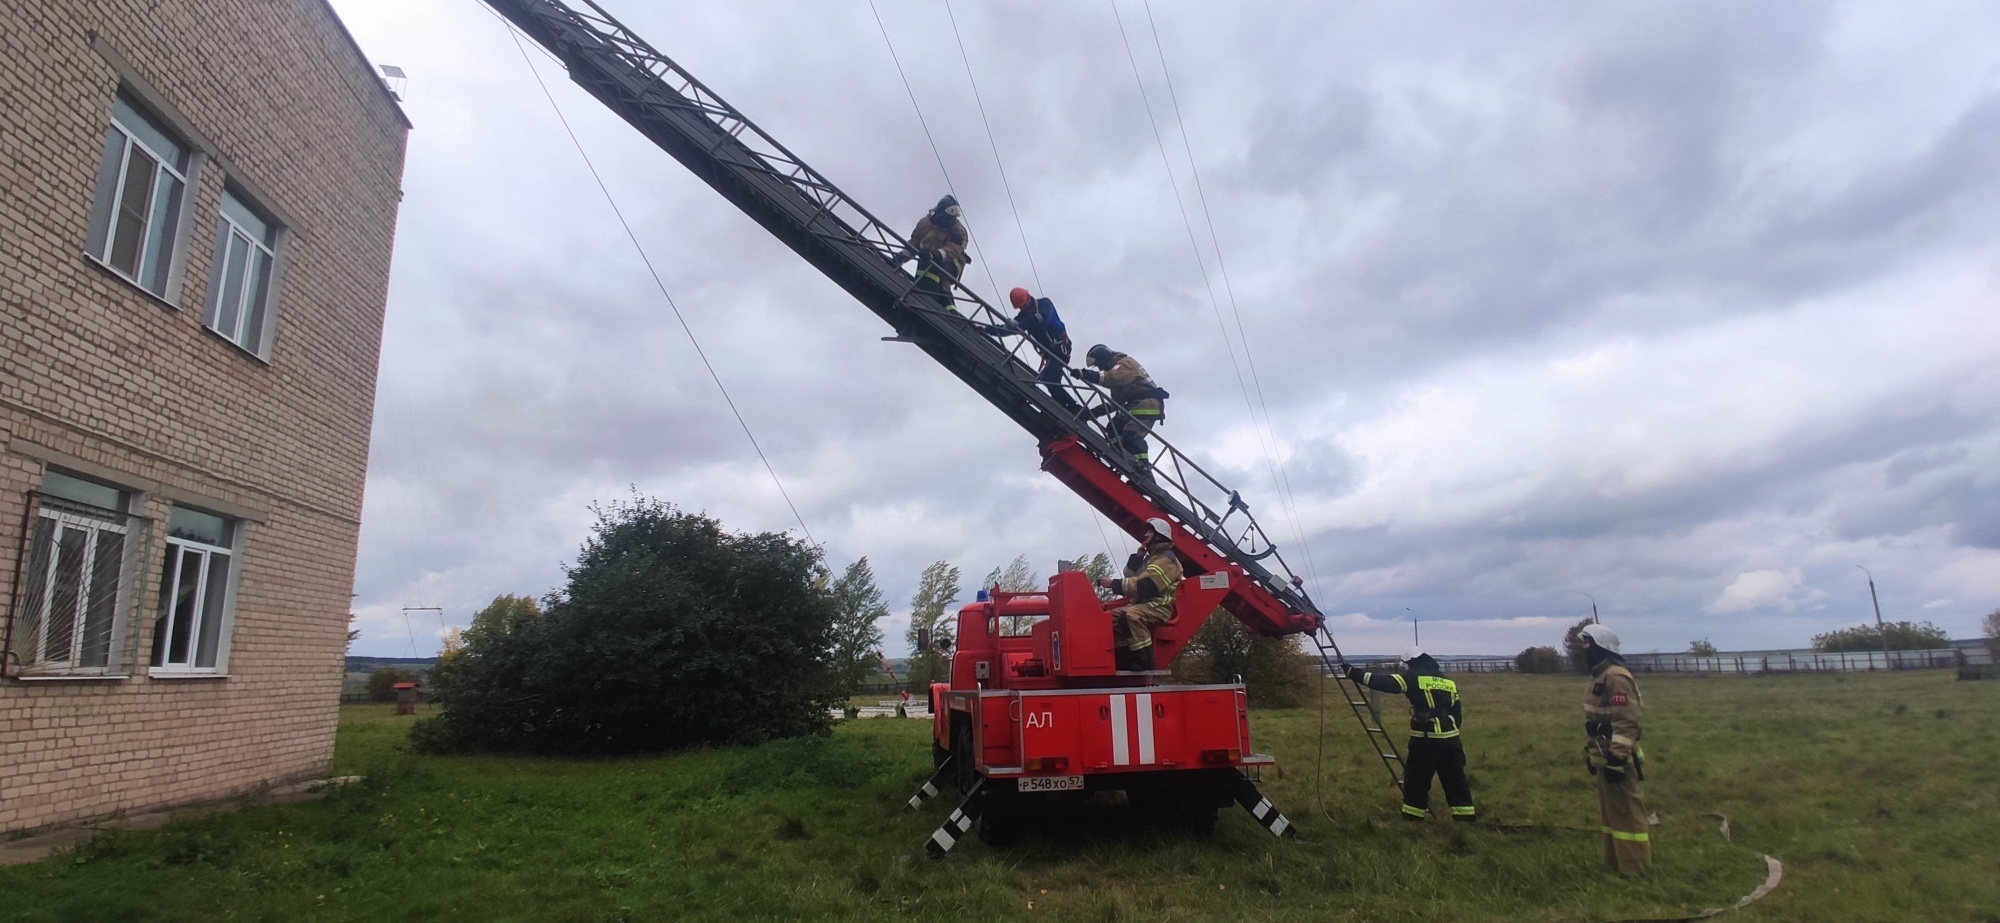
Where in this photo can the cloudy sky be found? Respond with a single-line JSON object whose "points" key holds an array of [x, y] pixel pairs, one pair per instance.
{"points": [[1690, 307]]}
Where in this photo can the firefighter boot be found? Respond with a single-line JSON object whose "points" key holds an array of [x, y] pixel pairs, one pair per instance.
{"points": [[1131, 661]]}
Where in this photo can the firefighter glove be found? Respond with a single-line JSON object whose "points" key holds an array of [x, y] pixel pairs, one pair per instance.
{"points": [[1353, 673], [1589, 766], [1089, 375], [1107, 583]]}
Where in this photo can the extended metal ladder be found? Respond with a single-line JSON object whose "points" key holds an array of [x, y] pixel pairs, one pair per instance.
{"points": [[1364, 710]]}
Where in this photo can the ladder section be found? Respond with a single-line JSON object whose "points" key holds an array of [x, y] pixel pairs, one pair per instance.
{"points": [[1364, 710], [866, 257]]}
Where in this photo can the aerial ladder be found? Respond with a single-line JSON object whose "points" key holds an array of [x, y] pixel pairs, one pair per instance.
{"points": [[1039, 711]]}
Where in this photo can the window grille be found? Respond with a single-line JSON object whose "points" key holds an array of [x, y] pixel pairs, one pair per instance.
{"points": [[76, 604]]}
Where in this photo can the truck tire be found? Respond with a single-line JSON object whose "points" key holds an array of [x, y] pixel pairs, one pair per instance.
{"points": [[967, 764]]}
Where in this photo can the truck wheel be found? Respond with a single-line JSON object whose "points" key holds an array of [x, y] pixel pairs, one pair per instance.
{"points": [[938, 756], [1198, 820], [967, 765], [999, 827]]}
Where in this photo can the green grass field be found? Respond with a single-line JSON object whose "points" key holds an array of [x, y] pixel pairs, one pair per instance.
{"points": [[1878, 792]]}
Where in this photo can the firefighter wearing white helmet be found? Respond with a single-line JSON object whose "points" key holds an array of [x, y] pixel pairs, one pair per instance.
{"points": [[1435, 749], [1612, 712], [1151, 575]]}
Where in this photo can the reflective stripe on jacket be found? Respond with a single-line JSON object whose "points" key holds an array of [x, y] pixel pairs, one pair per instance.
{"points": [[1435, 710], [1151, 582]]}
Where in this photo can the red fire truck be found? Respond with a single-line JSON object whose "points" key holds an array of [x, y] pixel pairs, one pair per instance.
{"points": [[1034, 707]]}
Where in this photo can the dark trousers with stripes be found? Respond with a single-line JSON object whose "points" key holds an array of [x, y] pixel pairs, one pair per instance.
{"points": [[1444, 759]]}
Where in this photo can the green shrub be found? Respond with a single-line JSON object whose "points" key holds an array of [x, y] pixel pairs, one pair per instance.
{"points": [[670, 633], [1538, 660], [1276, 671], [382, 683], [1903, 636]]}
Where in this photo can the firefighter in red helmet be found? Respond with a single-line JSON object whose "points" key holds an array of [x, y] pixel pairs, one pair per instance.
{"points": [[1038, 319]]}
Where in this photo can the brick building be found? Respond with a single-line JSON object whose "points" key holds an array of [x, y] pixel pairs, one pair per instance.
{"points": [[197, 201]]}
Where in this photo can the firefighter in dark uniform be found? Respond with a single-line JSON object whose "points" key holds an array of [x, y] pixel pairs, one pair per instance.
{"points": [[1151, 575], [1435, 749], [1611, 752]]}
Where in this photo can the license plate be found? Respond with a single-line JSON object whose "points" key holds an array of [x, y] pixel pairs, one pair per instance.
{"points": [[1050, 784]]}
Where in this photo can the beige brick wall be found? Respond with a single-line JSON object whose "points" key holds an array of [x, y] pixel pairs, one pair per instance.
{"points": [[99, 376]]}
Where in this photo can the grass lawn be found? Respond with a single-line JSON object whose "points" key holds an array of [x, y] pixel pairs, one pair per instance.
{"points": [[1879, 793]]}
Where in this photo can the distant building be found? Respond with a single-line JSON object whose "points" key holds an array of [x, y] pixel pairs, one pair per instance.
{"points": [[197, 201]]}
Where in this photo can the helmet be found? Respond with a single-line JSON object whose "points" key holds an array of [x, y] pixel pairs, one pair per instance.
{"points": [[1100, 356], [1411, 655], [1601, 636], [1160, 525], [948, 206], [1020, 298]]}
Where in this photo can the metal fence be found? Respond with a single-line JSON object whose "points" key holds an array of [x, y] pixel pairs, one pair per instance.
{"points": [[1964, 659]]}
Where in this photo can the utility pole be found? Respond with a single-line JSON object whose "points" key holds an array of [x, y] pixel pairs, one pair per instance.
{"points": [[1416, 627], [1880, 631], [1594, 620]]}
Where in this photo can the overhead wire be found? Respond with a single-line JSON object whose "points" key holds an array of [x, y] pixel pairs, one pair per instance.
{"points": [[987, 265], [972, 239], [1222, 326], [514, 34], [995, 145], [1286, 493]]}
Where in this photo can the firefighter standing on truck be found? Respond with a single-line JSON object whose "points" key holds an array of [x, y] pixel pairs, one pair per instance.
{"points": [[1435, 749], [1151, 575], [1611, 714], [939, 240], [1145, 403]]}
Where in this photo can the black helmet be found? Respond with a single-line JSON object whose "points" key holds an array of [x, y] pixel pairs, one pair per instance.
{"points": [[1100, 356], [947, 206]]}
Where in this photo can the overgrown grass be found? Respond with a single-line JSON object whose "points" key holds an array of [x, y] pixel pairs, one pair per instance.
{"points": [[1877, 791]]}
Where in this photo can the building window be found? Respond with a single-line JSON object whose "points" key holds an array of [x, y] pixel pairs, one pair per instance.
{"points": [[72, 589], [192, 628], [240, 282], [141, 183]]}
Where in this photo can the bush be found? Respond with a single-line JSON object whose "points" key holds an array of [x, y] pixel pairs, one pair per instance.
{"points": [[1276, 672], [1903, 636], [382, 683], [671, 632], [1702, 648], [1990, 626], [1538, 660]]}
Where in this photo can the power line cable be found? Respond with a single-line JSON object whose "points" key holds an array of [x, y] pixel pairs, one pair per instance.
{"points": [[971, 238], [613, 202], [1289, 497], [1208, 285], [995, 145]]}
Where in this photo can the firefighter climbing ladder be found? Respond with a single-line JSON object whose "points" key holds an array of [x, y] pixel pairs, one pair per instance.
{"points": [[864, 256]]}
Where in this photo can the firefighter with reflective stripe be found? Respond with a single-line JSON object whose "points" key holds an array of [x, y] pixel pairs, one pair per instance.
{"points": [[1038, 319], [1145, 403], [1612, 711], [940, 240], [1151, 575], [1435, 749]]}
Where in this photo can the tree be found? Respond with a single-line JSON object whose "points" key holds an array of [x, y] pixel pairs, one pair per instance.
{"points": [[1097, 567], [1990, 626], [1903, 636], [353, 633], [1277, 673], [858, 607], [669, 632], [1574, 647], [1538, 660], [937, 590], [382, 683], [1016, 577], [1702, 648]]}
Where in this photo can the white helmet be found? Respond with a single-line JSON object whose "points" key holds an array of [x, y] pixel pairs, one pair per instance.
{"points": [[1411, 655], [1160, 525], [1601, 636]]}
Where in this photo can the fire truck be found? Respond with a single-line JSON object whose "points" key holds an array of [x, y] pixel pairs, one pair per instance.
{"points": [[1034, 709]]}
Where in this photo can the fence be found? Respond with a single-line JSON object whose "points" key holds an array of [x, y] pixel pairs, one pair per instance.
{"points": [[1964, 659]]}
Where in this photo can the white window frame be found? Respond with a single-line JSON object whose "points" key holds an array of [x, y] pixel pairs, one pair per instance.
{"points": [[165, 619], [79, 616], [157, 265], [258, 299]]}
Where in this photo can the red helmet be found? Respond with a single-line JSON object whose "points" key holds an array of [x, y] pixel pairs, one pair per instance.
{"points": [[1020, 298]]}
